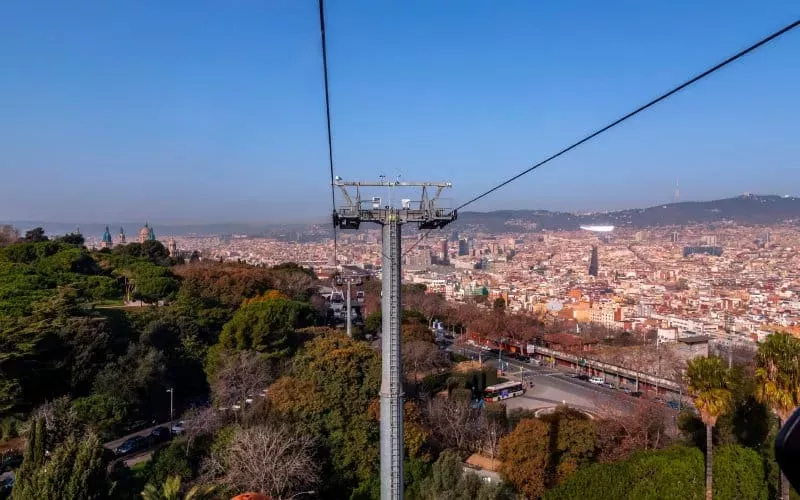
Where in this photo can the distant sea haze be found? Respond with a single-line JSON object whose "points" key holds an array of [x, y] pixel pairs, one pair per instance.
{"points": [[744, 209]]}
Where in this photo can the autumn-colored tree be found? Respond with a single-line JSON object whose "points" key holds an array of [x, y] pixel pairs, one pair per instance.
{"points": [[270, 295], [333, 382], [224, 284], [417, 331], [540, 453]]}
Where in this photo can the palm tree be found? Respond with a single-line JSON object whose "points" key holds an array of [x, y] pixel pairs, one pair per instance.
{"points": [[778, 381], [171, 490], [709, 382]]}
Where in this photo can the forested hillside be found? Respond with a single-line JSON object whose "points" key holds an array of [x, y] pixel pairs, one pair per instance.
{"points": [[270, 399]]}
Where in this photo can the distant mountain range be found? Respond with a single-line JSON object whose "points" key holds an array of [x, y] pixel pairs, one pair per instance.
{"points": [[745, 209]]}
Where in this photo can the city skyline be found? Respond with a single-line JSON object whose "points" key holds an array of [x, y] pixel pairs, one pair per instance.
{"points": [[216, 114]]}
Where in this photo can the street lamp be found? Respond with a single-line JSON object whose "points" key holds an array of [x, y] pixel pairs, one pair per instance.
{"points": [[171, 392]]}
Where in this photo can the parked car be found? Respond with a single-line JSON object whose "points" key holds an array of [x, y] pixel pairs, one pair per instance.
{"points": [[6, 485], [178, 428], [625, 390], [131, 445], [523, 358], [674, 405], [583, 377], [10, 460], [608, 385], [160, 434], [636, 394], [596, 380], [659, 400], [573, 375]]}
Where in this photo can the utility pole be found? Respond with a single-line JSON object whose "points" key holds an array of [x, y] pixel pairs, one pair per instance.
{"points": [[427, 216], [349, 280]]}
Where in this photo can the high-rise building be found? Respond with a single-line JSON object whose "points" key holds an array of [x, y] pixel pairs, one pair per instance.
{"points": [[674, 237], [444, 252], [121, 238], [594, 265], [463, 248], [454, 236]]}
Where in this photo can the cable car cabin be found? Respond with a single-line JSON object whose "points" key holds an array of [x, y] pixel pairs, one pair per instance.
{"points": [[503, 391]]}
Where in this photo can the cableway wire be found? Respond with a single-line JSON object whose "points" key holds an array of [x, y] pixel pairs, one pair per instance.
{"points": [[631, 114], [328, 117]]}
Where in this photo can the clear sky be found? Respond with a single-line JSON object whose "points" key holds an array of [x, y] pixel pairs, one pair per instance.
{"points": [[178, 111]]}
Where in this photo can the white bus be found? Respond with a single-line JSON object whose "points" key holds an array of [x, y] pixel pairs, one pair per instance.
{"points": [[503, 391]]}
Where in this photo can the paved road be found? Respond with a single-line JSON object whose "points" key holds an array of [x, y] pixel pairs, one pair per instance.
{"points": [[144, 432], [551, 386]]}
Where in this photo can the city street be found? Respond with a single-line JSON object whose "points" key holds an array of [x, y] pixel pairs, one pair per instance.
{"points": [[551, 386]]}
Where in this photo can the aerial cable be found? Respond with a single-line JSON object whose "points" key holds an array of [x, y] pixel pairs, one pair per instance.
{"points": [[638, 110], [631, 114], [328, 117]]}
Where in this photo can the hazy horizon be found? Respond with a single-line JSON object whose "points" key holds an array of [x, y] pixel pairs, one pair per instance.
{"points": [[132, 225]]}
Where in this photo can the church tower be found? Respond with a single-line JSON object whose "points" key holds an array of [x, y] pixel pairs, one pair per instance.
{"points": [[107, 243], [121, 237], [146, 233], [172, 247]]}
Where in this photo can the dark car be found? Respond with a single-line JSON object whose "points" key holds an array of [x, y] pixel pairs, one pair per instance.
{"points": [[6, 485], [131, 445], [9, 461], [523, 358], [674, 405], [583, 377], [160, 434], [636, 394]]}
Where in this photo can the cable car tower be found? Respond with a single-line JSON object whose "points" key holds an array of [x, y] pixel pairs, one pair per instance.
{"points": [[426, 215]]}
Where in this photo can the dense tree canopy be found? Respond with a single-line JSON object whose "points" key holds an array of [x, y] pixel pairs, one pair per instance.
{"points": [[265, 326]]}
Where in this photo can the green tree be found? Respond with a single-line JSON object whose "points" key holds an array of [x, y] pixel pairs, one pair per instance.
{"points": [[372, 323], [675, 472], [171, 461], [170, 489], [448, 480], [266, 326], [72, 239], [709, 382], [778, 381], [646, 475], [739, 472], [32, 460], [35, 235], [75, 470], [101, 413]]}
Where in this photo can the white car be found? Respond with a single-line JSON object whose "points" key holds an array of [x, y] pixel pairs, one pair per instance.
{"points": [[178, 428], [597, 380]]}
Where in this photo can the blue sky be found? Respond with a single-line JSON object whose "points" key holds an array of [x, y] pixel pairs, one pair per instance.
{"points": [[190, 111]]}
